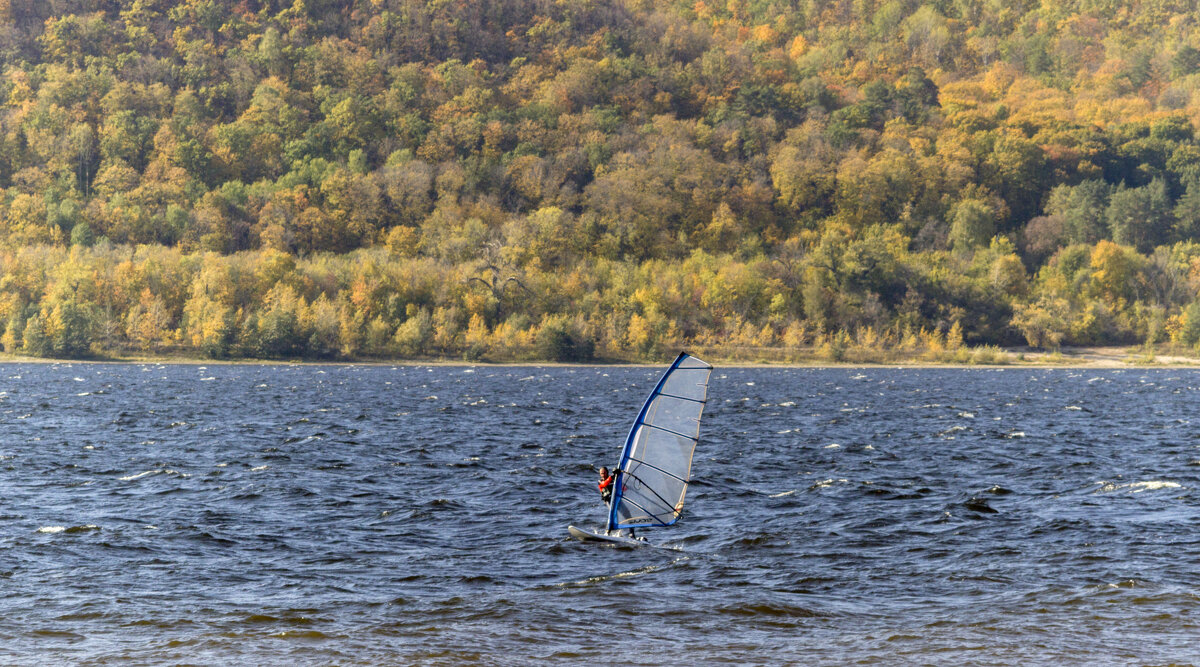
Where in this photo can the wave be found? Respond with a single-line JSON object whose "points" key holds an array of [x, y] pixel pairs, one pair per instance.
{"points": [[636, 572], [768, 609], [1136, 487], [53, 530], [156, 471]]}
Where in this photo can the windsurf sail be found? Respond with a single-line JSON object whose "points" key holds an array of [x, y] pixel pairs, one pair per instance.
{"points": [[656, 463]]}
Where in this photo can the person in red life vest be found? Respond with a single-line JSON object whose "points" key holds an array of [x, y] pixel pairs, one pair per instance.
{"points": [[606, 485]]}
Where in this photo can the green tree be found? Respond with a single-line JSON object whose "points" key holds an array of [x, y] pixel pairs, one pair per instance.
{"points": [[972, 224], [1141, 217]]}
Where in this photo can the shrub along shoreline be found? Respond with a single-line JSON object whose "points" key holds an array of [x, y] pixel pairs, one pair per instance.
{"points": [[377, 303], [1163, 356]]}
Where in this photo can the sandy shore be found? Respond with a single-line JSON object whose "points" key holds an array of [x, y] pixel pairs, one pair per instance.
{"points": [[1015, 357], [1104, 357]]}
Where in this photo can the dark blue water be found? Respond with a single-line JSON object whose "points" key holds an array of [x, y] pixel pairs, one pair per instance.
{"points": [[414, 515]]}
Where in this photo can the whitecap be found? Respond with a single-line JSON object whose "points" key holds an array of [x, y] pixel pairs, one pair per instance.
{"points": [[259, 468], [781, 495], [788, 404], [967, 415], [165, 471], [130, 478], [1073, 407], [1015, 434], [833, 446], [53, 530], [1136, 487]]}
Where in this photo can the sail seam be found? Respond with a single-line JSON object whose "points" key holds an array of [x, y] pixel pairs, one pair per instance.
{"points": [[682, 435], [684, 398], [665, 472]]}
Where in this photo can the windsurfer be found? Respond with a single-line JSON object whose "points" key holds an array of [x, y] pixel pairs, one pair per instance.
{"points": [[607, 482], [606, 485]]}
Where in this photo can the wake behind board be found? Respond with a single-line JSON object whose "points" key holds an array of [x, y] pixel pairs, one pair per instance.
{"points": [[589, 536]]}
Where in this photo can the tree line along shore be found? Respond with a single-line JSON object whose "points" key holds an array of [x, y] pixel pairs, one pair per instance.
{"points": [[536, 180]]}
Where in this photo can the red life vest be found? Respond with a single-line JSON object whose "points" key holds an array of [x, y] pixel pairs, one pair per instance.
{"points": [[605, 483]]}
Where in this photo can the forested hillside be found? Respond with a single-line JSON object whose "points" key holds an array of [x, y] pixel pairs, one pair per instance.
{"points": [[519, 179]]}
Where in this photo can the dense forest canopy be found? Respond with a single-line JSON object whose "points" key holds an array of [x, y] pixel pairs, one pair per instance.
{"points": [[562, 178]]}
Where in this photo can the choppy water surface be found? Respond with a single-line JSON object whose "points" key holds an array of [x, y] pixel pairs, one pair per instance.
{"points": [[367, 515]]}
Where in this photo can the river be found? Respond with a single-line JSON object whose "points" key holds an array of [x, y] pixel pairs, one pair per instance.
{"points": [[320, 514]]}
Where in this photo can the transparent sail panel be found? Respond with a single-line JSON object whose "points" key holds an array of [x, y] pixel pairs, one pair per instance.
{"points": [[688, 383], [676, 415]]}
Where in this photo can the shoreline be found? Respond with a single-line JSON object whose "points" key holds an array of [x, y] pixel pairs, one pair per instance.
{"points": [[1099, 357]]}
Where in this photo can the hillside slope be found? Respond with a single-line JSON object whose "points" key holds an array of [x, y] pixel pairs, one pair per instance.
{"points": [[539, 179]]}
